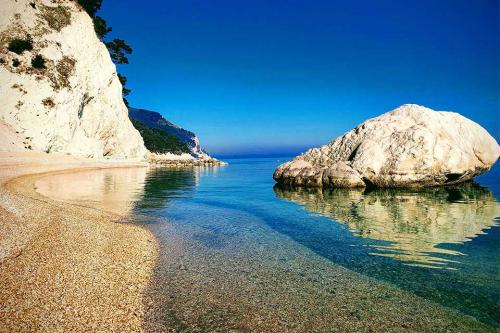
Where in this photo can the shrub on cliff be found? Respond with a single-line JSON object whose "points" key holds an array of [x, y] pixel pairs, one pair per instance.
{"points": [[38, 62], [90, 6], [118, 49], [101, 27], [157, 141], [19, 45]]}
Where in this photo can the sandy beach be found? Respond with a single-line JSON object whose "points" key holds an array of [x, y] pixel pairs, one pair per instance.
{"points": [[65, 267]]}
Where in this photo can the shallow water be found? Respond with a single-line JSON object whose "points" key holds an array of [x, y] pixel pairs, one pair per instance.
{"points": [[232, 244]]}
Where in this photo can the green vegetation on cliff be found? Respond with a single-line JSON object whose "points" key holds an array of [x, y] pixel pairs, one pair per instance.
{"points": [[157, 141], [118, 48]]}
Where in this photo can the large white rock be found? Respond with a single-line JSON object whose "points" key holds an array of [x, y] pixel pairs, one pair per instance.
{"points": [[409, 146], [74, 105]]}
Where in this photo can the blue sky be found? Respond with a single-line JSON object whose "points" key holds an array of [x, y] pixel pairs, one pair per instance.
{"points": [[281, 76]]}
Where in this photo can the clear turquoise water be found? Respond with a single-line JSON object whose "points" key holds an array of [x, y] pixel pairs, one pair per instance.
{"points": [[238, 253], [441, 244]]}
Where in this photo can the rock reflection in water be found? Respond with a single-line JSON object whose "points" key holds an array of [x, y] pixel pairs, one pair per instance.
{"points": [[413, 223]]}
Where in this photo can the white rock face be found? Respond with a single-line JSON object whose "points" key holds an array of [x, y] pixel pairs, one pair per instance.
{"points": [[409, 146], [74, 105]]}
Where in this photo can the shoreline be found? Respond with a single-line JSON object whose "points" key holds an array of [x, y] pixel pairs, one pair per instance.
{"points": [[82, 268], [66, 267]]}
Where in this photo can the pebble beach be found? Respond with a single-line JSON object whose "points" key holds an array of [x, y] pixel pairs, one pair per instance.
{"points": [[66, 268]]}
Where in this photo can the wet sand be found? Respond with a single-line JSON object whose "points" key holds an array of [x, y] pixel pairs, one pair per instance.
{"points": [[66, 268]]}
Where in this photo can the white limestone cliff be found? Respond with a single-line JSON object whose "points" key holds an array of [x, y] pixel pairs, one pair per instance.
{"points": [[409, 146], [74, 105]]}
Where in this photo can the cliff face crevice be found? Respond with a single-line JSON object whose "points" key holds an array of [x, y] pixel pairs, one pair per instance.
{"points": [[71, 101]]}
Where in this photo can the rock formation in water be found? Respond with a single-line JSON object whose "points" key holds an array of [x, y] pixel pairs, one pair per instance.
{"points": [[59, 89], [182, 160], [153, 119], [410, 146]]}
